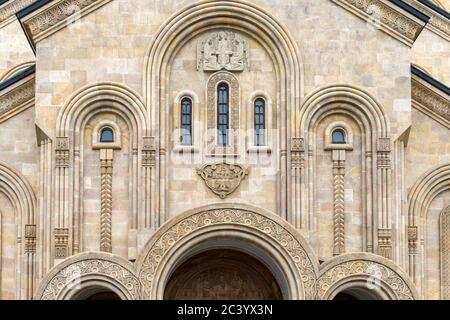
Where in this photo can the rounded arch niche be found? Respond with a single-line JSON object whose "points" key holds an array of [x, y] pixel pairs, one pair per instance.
{"points": [[255, 232], [240, 16], [87, 274]]}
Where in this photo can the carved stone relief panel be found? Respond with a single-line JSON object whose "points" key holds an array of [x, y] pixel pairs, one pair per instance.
{"points": [[223, 178], [223, 50]]}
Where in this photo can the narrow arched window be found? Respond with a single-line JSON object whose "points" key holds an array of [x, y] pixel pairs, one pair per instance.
{"points": [[338, 136], [186, 121], [260, 122], [107, 135], [222, 114]]}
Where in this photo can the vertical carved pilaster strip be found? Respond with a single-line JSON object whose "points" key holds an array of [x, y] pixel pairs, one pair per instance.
{"points": [[106, 167], [384, 196], [339, 202], [30, 252], [62, 162], [148, 164], [445, 253], [412, 250], [297, 165], [61, 243]]}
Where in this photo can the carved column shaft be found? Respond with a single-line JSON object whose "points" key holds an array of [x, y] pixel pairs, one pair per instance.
{"points": [[106, 168], [297, 167], [339, 201], [148, 167], [384, 197]]}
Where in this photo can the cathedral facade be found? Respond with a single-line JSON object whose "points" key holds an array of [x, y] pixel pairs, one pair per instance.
{"points": [[224, 149]]}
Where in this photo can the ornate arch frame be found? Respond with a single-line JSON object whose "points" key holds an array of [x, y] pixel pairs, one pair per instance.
{"points": [[268, 232], [208, 15], [16, 187], [426, 188], [356, 270], [81, 106], [90, 270], [369, 115]]}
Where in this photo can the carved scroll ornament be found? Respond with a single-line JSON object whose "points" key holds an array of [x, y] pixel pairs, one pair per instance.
{"points": [[223, 178]]}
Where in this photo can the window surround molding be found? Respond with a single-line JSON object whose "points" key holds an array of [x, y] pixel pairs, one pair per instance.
{"points": [[195, 126], [251, 146], [212, 147], [329, 145], [96, 133]]}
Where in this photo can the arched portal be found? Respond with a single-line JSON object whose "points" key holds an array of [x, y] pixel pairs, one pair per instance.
{"points": [[222, 274], [259, 236]]}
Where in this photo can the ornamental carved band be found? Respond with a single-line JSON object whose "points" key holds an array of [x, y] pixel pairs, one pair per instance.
{"points": [[445, 253], [61, 243], [379, 13], [223, 50], [17, 97], [149, 152], [339, 207], [30, 238], [72, 274], [106, 168], [12, 8], [412, 239], [55, 14], [432, 103], [376, 274], [223, 178], [239, 217]]}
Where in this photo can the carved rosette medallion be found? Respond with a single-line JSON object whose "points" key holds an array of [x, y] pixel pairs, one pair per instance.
{"points": [[223, 178], [223, 50]]}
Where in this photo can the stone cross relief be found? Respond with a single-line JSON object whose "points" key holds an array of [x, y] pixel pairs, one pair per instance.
{"points": [[223, 50]]}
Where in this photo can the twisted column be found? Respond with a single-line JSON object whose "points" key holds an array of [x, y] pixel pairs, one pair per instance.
{"points": [[339, 206], [106, 165]]}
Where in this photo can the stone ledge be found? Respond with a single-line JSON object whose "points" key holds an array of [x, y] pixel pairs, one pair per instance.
{"points": [[10, 8], [388, 17]]}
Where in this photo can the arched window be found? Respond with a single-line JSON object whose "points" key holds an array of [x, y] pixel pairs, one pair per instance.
{"points": [[186, 121], [222, 114], [107, 135], [338, 136], [260, 122]]}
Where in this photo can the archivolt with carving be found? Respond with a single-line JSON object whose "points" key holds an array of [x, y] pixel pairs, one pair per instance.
{"points": [[271, 229], [18, 190], [66, 278], [375, 272]]}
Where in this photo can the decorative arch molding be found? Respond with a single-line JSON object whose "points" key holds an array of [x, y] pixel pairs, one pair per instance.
{"points": [[243, 17], [90, 270], [369, 115], [17, 188], [364, 271], [294, 258], [84, 104], [15, 70], [426, 188]]}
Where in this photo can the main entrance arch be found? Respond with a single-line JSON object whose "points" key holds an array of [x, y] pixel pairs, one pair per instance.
{"points": [[239, 231]]}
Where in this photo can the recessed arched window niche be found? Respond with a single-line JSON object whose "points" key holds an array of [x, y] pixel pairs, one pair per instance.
{"points": [[185, 133], [259, 132], [338, 136], [106, 135]]}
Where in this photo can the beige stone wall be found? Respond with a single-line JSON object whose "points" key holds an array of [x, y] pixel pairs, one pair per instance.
{"points": [[14, 47], [431, 53], [18, 145]]}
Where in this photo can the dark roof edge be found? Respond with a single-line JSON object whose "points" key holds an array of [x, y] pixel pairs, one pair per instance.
{"points": [[410, 9], [20, 76], [435, 83], [2, 2], [434, 7], [31, 8]]}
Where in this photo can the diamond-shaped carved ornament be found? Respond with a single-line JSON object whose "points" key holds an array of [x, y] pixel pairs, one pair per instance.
{"points": [[223, 178]]}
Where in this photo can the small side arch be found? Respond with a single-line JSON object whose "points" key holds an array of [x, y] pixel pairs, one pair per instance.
{"points": [[376, 276], [90, 271]]}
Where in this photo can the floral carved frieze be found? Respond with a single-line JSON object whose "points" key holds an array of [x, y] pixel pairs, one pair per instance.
{"points": [[431, 102], [385, 17], [376, 274], [12, 7], [223, 178], [15, 99], [71, 275], [223, 50]]}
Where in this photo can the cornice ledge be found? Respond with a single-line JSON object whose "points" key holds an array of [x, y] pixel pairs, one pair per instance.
{"points": [[437, 24], [429, 99], [56, 15], [10, 8], [17, 97], [388, 17]]}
